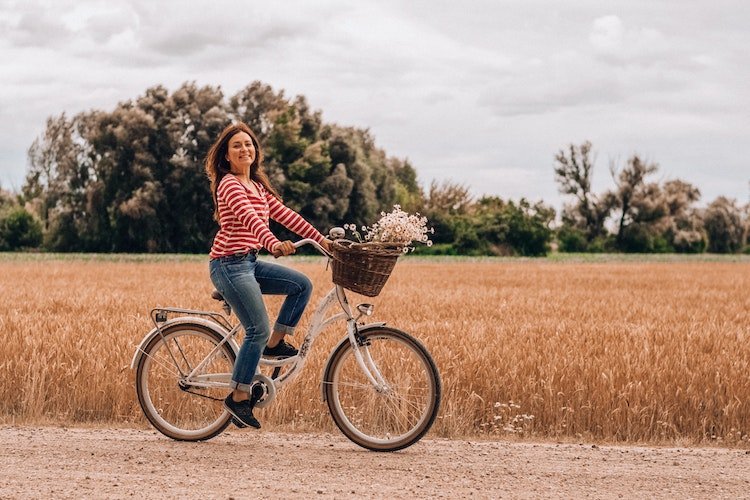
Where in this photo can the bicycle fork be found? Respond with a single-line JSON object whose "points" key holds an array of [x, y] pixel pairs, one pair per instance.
{"points": [[365, 361], [360, 346]]}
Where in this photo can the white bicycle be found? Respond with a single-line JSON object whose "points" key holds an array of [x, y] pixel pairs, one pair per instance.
{"points": [[381, 384]]}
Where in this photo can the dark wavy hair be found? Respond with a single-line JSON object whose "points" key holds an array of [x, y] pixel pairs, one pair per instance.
{"points": [[217, 166]]}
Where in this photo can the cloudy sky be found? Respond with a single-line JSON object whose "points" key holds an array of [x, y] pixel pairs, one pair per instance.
{"points": [[482, 93]]}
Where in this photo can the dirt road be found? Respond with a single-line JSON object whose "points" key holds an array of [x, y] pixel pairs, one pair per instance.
{"points": [[51, 462]]}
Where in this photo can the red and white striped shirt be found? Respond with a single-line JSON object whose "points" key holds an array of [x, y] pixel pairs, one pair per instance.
{"points": [[243, 219]]}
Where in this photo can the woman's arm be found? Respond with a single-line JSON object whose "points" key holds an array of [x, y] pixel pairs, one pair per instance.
{"points": [[291, 219], [233, 193]]}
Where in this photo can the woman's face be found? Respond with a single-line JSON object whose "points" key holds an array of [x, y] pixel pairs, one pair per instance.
{"points": [[240, 153]]}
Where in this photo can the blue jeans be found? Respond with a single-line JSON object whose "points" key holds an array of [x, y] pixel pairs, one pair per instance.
{"points": [[242, 280]]}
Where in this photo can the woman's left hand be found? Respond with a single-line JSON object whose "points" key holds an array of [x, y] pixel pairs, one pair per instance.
{"points": [[283, 248], [326, 244]]}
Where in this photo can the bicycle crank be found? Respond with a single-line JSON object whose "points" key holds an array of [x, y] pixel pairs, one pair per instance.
{"points": [[263, 391]]}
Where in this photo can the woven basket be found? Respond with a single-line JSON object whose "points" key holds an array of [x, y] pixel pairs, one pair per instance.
{"points": [[363, 267]]}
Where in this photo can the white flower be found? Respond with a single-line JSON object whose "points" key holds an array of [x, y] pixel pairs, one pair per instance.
{"points": [[396, 227]]}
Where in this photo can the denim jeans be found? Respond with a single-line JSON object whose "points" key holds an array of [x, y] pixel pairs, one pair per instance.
{"points": [[242, 280]]}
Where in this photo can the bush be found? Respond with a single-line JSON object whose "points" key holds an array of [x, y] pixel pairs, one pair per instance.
{"points": [[689, 242], [438, 249], [571, 239], [638, 238], [528, 233], [19, 229], [602, 244]]}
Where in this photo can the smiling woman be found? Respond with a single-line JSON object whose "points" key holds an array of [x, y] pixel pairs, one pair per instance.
{"points": [[244, 202]]}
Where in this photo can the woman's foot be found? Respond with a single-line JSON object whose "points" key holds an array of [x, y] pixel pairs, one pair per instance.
{"points": [[242, 411], [280, 350]]}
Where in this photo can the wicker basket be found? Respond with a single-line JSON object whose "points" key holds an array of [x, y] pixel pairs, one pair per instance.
{"points": [[363, 267]]}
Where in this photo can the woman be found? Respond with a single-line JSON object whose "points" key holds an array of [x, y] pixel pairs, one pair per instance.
{"points": [[243, 202]]}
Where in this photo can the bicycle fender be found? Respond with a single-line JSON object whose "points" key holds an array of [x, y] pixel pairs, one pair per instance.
{"points": [[345, 340], [176, 321]]}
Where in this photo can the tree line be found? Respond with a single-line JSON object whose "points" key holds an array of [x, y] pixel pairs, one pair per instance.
{"points": [[641, 215], [132, 180]]}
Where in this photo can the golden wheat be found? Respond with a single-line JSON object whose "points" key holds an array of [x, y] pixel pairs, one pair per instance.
{"points": [[619, 351]]}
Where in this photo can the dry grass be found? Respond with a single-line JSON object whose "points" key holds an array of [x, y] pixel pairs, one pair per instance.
{"points": [[615, 351]]}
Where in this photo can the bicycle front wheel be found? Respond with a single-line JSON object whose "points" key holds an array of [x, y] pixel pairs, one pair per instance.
{"points": [[400, 407], [181, 402]]}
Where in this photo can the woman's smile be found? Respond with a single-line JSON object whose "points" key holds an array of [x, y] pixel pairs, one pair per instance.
{"points": [[241, 152]]}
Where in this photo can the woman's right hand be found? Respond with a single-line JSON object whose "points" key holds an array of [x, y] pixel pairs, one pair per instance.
{"points": [[283, 248]]}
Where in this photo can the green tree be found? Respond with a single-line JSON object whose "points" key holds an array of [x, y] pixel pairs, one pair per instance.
{"points": [[196, 117], [347, 146], [129, 168], [19, 229], [724, 224], [513, 228], [447, 206], [132, 180], [573, 172], [641, 208], [407, 190], [634, 200], [56, 186], [684, 229]]}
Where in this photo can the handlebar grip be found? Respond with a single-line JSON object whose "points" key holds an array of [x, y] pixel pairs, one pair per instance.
{"points": [[310, 241]]}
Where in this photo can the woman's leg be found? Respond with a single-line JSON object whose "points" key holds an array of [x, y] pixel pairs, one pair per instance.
{"points": [[275, 279], [235, 280]]}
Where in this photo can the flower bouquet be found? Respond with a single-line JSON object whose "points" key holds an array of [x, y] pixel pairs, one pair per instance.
{"points": [[363, 266]]}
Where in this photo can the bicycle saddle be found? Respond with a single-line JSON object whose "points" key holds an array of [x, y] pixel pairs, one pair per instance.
{"points": [[216, 295]]}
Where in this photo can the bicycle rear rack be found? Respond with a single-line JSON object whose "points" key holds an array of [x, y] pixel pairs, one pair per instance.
{"points": [[160, 315]]}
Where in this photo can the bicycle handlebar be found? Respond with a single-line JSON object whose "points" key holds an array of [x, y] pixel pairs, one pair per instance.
{"points": [[333, 234], [310, 241]]}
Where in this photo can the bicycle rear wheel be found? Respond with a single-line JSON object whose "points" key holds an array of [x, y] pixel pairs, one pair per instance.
{"points": [[398, 411], [186, 410]]}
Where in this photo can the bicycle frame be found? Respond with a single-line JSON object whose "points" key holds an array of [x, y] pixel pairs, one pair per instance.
{"points": [[221, 324]]}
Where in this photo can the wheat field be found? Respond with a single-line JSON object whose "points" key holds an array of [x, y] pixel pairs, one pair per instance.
{"points": [[614, 351]]}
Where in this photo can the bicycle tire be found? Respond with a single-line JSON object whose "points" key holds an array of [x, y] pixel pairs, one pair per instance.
{"points": [[184, 415], [394, 418]]}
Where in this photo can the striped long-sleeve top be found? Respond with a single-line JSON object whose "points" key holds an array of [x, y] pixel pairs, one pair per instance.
{"points": [[243, 219]]}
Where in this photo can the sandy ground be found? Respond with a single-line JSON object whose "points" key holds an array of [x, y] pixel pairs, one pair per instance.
{"points": [[53, 462]]}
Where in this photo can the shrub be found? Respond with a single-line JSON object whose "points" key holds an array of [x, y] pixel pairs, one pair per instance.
{"points": [[19, 229], [639, 238], [529, 233], [571, 239], [689, 242]]}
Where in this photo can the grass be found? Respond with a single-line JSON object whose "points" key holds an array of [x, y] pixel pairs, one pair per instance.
{"points": [[552, 257], [608, 348]]}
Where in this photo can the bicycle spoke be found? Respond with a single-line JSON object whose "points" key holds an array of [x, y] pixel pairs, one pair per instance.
{"points": [[169, 365], [406, 401], [396, 418], [413, 402]]}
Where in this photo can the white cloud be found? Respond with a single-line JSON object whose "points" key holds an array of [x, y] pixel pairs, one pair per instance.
{"points": [[607, 34]]}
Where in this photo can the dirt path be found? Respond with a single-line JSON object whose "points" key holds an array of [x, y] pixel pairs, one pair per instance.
{"points": [[49, 462]]}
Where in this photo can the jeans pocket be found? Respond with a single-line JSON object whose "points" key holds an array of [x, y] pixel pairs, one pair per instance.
{"points": [[241, 266]]}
